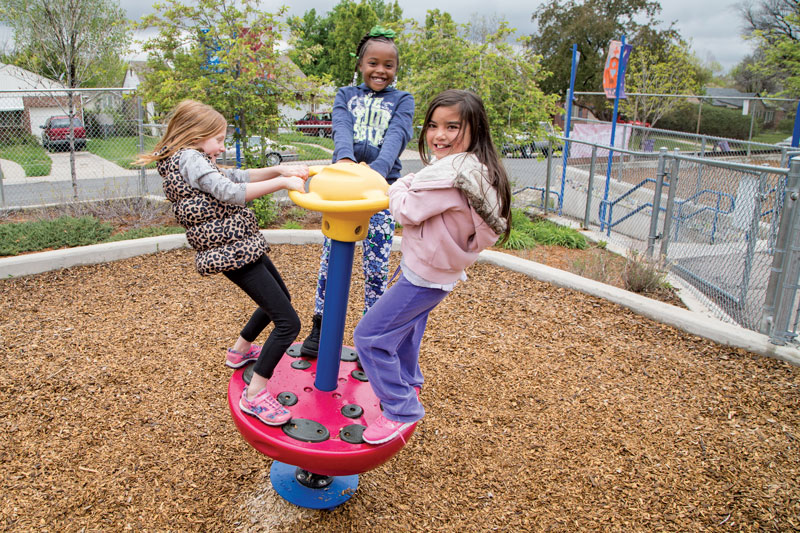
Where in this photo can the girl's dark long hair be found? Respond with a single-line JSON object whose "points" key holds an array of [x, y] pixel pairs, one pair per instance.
{"points": [[473, 115]]}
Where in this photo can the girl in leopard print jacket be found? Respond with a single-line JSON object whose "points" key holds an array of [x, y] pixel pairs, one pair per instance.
{"points": [[210, 203]]}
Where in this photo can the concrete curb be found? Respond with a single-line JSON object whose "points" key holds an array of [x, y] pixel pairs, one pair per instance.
{"points": [[685, 320]]}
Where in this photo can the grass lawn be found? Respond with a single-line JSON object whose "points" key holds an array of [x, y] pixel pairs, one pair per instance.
{"points": [[771, 137], [121, 150], [32, 157]]}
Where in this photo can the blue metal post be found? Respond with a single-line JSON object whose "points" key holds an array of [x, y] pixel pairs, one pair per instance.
{"points": [[613, 132], [238, 144], [574, 69], [796, 131], [337, 291]]}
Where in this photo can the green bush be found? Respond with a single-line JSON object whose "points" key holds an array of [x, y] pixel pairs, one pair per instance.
{"points": [[266, 210], [292, 224], [527, 233], [63, 232], [139, 233], [715, 121]]}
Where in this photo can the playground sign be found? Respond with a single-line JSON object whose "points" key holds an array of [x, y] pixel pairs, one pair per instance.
{"points": [[616, 62]]}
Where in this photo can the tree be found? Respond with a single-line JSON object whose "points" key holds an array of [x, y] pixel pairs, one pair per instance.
{"points": [[671, 70], [225, 55], [775, 27], [68, 40], [439, 56], [592, 25], [323, 45]]}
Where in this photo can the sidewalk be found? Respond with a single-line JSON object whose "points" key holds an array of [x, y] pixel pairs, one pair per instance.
{"points": [[85, 163]]}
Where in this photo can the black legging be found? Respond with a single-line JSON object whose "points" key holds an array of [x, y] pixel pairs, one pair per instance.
{"points": [[261, 282]]}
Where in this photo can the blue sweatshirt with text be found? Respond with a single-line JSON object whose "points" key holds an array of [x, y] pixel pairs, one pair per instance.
{"points": [[372, 127]]}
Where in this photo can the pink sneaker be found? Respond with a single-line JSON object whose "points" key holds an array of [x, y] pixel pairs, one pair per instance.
{"points": [[384, 430], [265, 407], [238, 359]]}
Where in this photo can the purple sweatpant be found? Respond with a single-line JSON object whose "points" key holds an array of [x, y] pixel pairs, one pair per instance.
{"points": [[387, 340]]}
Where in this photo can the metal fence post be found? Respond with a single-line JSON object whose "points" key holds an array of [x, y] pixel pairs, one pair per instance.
{"points": [[778, 302], [2, 192], [589, 189], [653, 235], [140, 129], [673, 185], [547, 178]]}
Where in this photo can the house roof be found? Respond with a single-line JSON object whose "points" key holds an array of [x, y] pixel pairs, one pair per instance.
{"points": [[14, 78], [726, 97]]}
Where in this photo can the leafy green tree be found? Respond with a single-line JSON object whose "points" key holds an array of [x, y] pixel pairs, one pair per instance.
{"points": [[310, 36], [225, 55], [323, 45], [439, 56], [70, 41], [775, 27], [350, 22], [670, 70], [592, 25]]}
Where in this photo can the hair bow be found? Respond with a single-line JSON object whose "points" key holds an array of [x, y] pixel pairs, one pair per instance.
{"points": [[380, 31]]}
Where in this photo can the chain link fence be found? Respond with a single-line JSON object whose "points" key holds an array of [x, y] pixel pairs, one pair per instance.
{"points": [[47, 159], [698, 201], [715, 221]]}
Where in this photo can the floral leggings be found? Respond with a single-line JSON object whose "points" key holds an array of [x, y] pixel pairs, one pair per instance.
{"points": [[376, 248]]}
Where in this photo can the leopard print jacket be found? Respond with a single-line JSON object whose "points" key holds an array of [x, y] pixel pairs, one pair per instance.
{"points": [[225, 236]]}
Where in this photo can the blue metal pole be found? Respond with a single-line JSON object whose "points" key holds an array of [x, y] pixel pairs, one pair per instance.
{"points": [[238, 145], [574, 69], [334, 311], [613, 132], [796, 131]]}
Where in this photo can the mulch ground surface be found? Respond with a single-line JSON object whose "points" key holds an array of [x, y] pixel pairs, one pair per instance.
{"points": [[548, 410]]}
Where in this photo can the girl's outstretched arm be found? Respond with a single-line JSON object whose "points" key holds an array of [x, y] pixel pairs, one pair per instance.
{"points": [[268, 173], [258, 189]]}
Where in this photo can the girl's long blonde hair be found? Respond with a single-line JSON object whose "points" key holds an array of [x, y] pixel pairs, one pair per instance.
{"points": [[189, 123]]}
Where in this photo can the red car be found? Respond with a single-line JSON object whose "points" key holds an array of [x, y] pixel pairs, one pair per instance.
{"points": [[318, 124], [56, 133]]}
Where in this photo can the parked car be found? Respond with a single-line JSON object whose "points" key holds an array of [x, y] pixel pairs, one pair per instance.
{"points": [[539, 145], [275, 153], [318, 124], [56, 129]]}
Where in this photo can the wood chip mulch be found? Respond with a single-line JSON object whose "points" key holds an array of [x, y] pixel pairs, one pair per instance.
{"points": [[548, 410]]}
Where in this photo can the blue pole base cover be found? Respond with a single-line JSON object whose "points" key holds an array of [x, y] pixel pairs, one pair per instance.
{"points": [[285, 483]]}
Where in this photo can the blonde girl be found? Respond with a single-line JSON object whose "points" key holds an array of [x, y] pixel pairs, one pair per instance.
{"points": [[210, 203]]}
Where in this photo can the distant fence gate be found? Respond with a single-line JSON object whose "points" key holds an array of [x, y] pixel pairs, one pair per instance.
{"points": [[721, 225]]}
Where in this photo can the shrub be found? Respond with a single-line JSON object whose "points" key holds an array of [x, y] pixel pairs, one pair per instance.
{"points": [[266, 210], [643, 275], [519, 240], [715, 121], [139, 233], [63, 232]]}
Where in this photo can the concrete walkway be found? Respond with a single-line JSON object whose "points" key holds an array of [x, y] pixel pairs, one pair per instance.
{"points": [[696, 323], [86, 164]]}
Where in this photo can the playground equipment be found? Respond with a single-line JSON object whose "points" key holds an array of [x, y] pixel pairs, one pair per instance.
{"points": [[319, 453]]}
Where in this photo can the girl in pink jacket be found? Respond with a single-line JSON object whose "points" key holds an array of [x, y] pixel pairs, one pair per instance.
{"points": [[450, 211]]}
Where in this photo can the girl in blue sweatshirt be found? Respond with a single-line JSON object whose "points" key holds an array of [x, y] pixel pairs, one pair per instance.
{"points": [[371, 124]]}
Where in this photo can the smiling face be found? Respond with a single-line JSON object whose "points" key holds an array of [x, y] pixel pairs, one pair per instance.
{"points": [[445, 133], [378, 65], [215, 144]]}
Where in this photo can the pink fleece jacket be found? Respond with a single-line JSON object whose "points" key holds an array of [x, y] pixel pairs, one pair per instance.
{"points": [[449, 214]]}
